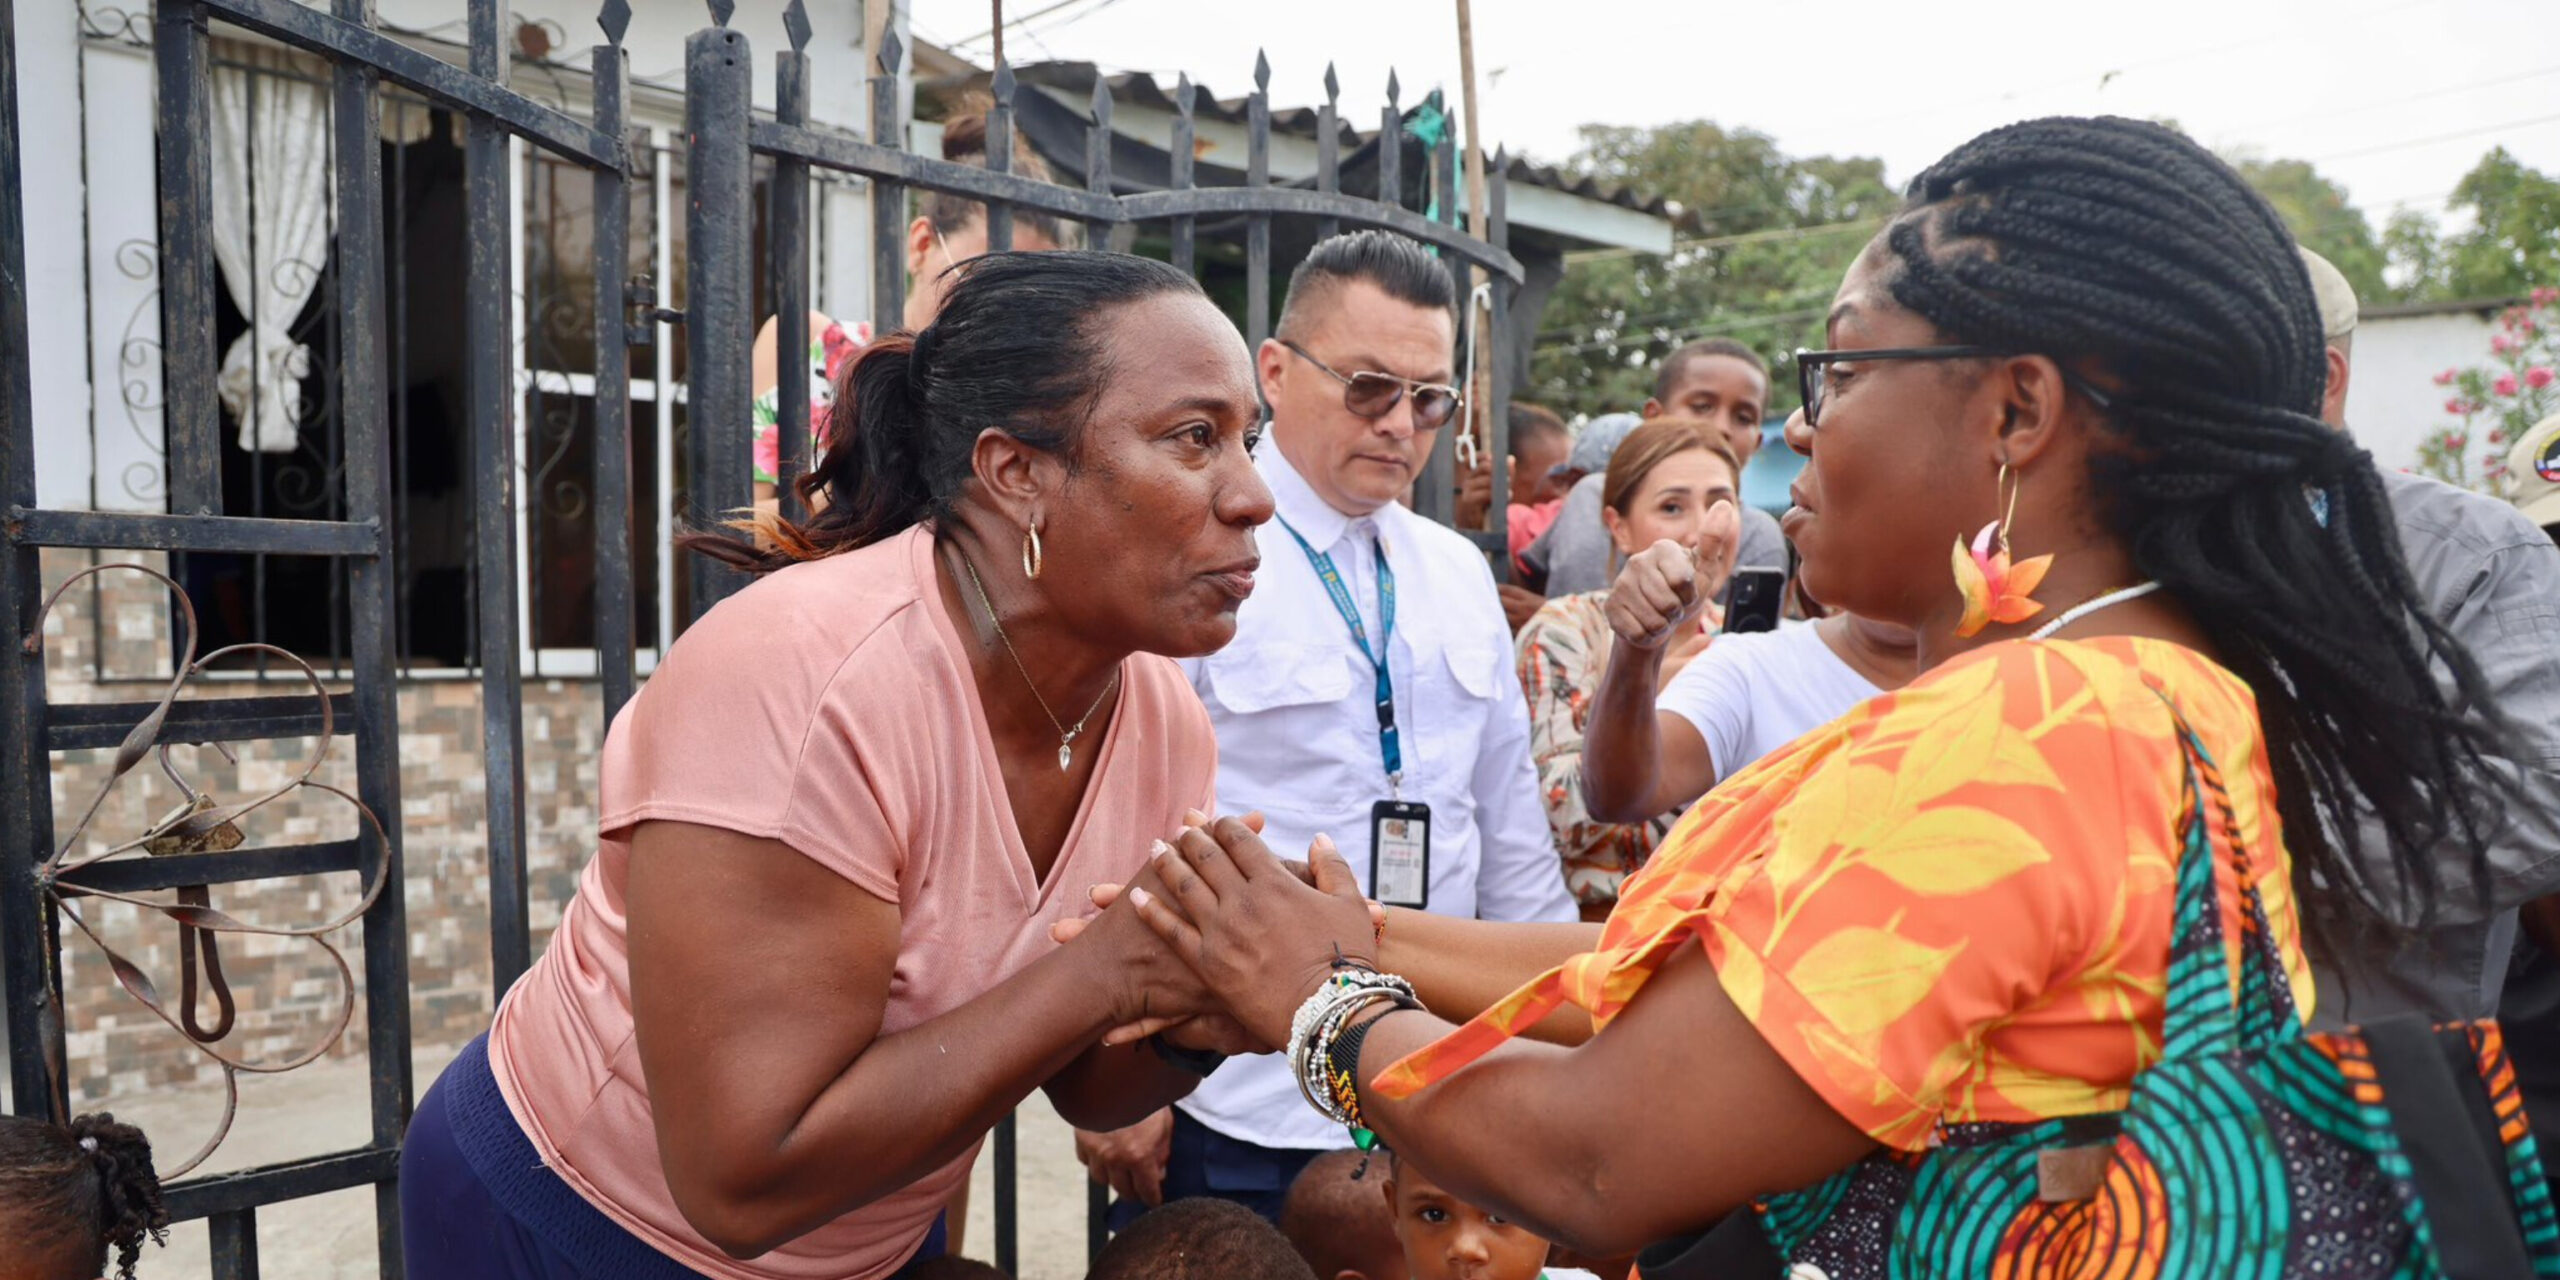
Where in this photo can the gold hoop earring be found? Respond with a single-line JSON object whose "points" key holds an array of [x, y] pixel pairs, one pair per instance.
{"points": [[1031, 561], [2007, 485]]}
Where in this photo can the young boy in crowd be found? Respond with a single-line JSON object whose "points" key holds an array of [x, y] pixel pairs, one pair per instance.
{"points": [[1446, 1238], [1199, 1239], [1338, 1221]]}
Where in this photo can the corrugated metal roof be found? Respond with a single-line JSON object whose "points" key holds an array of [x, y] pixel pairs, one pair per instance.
{"points": [[1140, 88]]}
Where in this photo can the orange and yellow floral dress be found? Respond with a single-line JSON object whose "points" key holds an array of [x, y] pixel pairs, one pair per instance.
{"points": [[1953, 904]]}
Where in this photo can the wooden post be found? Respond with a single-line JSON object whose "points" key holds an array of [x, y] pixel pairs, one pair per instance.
{"points": [[1479, 395]]}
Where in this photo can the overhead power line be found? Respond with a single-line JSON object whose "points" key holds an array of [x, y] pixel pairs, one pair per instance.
{"points": [[2289, 33], [2455, 136], [1013, 23], [2424, 95]]}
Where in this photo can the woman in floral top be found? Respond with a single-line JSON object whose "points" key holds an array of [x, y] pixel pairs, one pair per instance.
{"points": [[1954, 906], [1661, 482], [831, 344]]}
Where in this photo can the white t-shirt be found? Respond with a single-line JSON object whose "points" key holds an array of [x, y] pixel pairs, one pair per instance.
{"points": [[1751, 694]]}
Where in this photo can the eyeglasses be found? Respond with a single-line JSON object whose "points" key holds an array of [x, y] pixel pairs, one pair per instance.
{"points": [[1374, 395], [1813, 380]]}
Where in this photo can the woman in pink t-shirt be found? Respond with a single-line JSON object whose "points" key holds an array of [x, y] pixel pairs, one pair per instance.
{"points": [[809, 966]]}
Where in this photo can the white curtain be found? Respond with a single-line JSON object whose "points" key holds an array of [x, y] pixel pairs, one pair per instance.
{"points": [[271, 194]]}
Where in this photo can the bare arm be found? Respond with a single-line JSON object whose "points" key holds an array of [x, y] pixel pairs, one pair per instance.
{"points": [[1461, 967], [1675, 1116], [1114, 1086], [758, 983], [1636, 761]]}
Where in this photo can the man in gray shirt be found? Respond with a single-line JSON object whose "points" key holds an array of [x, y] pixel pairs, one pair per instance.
{"points": [[1715, 380], [2493, 579]]}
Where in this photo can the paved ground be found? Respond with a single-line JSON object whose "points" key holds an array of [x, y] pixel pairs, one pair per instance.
{"points": [[322, 1108]]}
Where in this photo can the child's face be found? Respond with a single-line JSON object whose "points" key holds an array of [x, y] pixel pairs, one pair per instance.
{"points": [[1445, 1238]]}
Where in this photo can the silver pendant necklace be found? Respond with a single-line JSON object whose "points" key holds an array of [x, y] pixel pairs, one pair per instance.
{"points": [[2087, 607], [1066, 736]]}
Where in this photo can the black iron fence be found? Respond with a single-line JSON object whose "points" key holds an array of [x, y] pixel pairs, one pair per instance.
{"points": [[350, 524]]}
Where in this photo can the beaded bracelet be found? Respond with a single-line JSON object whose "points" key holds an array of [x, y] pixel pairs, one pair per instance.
{"points": [[1343, 1060], [1320, 1017], [1341, 981], [1334, 1095], [1320, 1045], [1307, 1057]]}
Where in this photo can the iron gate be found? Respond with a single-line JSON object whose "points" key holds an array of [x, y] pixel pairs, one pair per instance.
{"points": [[40, 884]]}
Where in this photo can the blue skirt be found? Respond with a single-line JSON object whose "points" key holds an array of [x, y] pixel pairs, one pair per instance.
{"points": [[478, 1203]]}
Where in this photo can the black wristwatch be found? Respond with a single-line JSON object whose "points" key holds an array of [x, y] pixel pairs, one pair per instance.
{"points": [[1198, 1062]]}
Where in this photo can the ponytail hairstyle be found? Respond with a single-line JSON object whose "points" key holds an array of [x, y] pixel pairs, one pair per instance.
{"points": [[1019, 347], [90, 1186], [2137, 259]]}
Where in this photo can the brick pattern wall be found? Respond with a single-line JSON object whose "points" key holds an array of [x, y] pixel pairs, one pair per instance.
{"points": [[287, 989]]}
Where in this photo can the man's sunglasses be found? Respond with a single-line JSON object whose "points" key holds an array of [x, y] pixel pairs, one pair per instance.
{"points": [[1813, 371], [1374, 395]]}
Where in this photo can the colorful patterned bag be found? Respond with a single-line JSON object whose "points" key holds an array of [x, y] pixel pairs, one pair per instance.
{"points": [[2250, 1149]]}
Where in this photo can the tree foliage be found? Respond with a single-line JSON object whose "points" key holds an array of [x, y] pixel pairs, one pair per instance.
{"points": [[1771, 234], [1759, 263], [2322, 219], [2512, 247]]}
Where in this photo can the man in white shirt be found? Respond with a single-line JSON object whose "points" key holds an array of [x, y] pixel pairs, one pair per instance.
{"points": [[1316, 735]]}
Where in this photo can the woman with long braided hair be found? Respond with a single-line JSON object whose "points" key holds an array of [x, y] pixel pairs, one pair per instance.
{"points": [[1913, 990]]}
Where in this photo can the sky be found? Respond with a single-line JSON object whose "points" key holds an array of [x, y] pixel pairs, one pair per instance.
{"points": [[2393, 99]]}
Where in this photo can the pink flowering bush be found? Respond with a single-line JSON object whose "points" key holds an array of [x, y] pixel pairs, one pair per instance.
{"points": [[2495, 402]]}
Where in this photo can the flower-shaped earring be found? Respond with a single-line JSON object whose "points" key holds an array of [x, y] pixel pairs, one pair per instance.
{"points": [[1995, 590]]}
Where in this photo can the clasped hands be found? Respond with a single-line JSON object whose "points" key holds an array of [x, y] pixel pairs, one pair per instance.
{"points": [[1234, 937]]}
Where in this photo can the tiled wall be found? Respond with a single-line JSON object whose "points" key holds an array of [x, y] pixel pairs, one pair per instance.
{"points": [[287, 988]]}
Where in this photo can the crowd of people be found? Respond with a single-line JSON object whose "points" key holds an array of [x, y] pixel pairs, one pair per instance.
{"points": [[2128, 720]]}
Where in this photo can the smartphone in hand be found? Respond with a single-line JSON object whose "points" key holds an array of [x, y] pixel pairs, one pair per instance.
{"points": [[1753, 599]]}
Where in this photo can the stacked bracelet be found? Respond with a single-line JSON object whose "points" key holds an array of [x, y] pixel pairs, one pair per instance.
{"points": [[1316, 1033], [1342, 1073]]}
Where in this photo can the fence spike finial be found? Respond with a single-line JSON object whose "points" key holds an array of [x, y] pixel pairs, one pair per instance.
{"points": [[615, 18], [1332, 84], [1183, 92], [892, 50], [795, 21], [1101, 99], [1261, 71], [1003, 84], [1394, 91], [721, 9]]}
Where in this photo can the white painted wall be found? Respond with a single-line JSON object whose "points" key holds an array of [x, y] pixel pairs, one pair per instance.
{"points": [[2393, 402], [657, 37], [89, 188], [48, 69], [125, 442]]}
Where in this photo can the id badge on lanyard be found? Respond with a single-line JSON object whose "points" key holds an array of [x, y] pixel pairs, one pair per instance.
{"points": [[1400, 853], [1399, 829]]}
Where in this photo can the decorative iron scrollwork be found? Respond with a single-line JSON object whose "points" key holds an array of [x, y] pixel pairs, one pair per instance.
{"points": [[200, 823]]}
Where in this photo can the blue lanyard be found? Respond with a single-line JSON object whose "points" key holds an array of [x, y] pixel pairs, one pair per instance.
{"points": [[1334, 586]]}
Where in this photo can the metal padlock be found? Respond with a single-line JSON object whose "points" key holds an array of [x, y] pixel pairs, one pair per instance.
{"points": [[215, 839]]}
